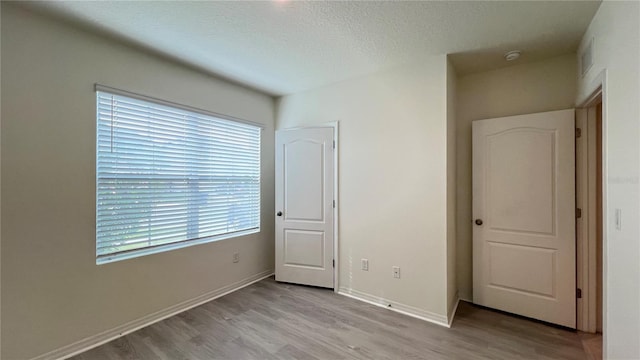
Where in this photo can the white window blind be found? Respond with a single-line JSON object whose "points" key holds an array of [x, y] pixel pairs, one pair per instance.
{"points": [[169, 177]]}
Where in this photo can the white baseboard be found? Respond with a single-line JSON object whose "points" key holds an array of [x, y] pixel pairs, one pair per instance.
{"points": [[106, 336], [397, 307]]}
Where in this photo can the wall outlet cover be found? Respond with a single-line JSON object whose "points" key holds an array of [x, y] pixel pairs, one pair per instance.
{"points": [[396, 272], [364, 264]]}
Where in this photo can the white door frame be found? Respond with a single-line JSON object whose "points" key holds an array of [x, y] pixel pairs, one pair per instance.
{"points": [[334, 125], [585, 199]]}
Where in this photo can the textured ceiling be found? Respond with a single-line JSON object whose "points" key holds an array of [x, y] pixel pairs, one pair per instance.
{"points": [[283, 47]]}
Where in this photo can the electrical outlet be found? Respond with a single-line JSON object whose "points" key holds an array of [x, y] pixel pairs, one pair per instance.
{"points": [[364, 264], [396, 271], [236, 257]]}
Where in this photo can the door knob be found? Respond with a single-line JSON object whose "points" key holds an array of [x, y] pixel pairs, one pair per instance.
{"points": [[279, 213], [478, 222]]}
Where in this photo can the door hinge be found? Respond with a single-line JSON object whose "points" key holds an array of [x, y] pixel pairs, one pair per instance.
{"points": [[334, 204], [578, 213], [578, 132], [579, 293], [334, 262], [334, 144]]}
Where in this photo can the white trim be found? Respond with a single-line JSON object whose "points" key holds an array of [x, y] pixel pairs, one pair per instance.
{"points": [[452, 314], [124, 329], [599, 85], [417, 313], [605, 211]]}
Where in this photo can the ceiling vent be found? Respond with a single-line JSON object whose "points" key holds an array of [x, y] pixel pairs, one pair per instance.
{"points": [[586, 58]]}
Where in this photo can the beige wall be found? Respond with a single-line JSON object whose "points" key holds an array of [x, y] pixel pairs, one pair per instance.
{"points": [[54, 294], [452, 285], [0, 187], [615, 30], [520, 89], [392, 180]]}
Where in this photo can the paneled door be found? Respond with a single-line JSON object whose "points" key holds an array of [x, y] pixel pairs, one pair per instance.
{"points": [[304, 206], [524, 215]]}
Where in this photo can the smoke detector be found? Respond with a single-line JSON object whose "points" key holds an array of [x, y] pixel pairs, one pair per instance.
{"points": [[512, 55]]}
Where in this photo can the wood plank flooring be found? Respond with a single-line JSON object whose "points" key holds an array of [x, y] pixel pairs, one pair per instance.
{"points": [[270, 320]]}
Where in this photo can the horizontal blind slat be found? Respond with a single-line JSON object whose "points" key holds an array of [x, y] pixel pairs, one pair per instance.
{"points": [[209, 229], [108, 252], [111, 217], [162, 229], [180, 218], [121, 101], [152, 134], [171, 121]]}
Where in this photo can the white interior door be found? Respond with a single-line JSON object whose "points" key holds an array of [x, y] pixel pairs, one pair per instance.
{"points": [[304, 206], [524, 215]]}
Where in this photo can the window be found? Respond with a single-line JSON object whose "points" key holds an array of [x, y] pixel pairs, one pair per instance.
{"points": [[170, 176]]}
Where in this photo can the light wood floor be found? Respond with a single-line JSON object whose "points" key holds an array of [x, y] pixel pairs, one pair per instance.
{"points": [[269, 320]]}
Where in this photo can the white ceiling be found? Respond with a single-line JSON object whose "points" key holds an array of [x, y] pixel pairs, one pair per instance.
{"points": [[283, 47]]}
